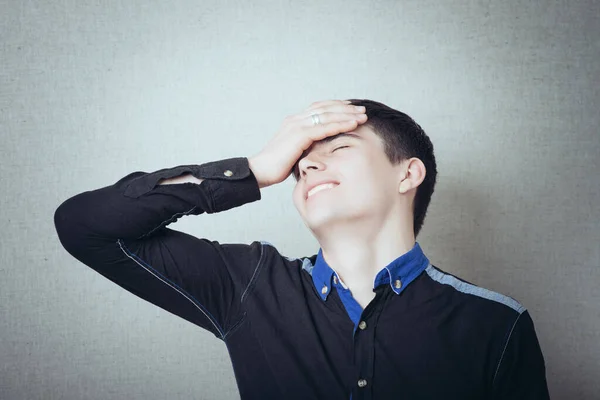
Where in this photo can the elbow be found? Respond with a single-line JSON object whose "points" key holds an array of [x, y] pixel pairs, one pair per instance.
{"points": [[68, 226], [62, 224]]}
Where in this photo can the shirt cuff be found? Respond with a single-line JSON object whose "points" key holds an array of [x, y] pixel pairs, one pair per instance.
{"points": [[230, 182]]}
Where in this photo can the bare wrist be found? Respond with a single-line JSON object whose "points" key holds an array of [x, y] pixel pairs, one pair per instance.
{"points": [[255, 171]]}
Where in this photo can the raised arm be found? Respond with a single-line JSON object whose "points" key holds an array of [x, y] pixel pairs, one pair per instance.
{"points": [[120, 232]]}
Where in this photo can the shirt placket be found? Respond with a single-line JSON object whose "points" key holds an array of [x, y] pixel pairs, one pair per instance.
{"points": [[364, 347]]}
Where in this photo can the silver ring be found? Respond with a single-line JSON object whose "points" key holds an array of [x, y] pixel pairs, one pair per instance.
{"points": [[315, 119]]}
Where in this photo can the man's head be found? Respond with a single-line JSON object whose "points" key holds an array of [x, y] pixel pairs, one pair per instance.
{"points": [[384, 168]]}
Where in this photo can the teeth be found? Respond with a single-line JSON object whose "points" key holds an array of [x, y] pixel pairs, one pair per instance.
{"points": [[321, 187]]}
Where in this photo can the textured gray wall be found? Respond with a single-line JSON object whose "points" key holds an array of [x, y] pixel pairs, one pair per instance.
{"points": [[91, 91]]}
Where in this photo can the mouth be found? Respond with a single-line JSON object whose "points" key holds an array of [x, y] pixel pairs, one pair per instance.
{"points": [[321, 188]]}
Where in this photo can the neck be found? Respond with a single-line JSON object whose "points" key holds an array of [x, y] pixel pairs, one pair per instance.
{"points": [[358, 253]]}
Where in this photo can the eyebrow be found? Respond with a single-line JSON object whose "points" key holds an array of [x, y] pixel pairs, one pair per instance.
{"points": [[324, 141], [332, 138], [338, 136]]}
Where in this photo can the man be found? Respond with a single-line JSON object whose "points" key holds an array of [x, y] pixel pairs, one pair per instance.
{"points": [[367, 317]]}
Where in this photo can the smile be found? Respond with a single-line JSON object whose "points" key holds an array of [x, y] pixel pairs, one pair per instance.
{"points": [[320, 188]]}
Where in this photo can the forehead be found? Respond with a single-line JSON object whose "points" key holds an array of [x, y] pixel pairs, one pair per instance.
{"points": [[362, 133]]}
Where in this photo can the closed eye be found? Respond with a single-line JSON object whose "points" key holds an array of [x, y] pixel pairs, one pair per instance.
{"points": [[337, 148]]}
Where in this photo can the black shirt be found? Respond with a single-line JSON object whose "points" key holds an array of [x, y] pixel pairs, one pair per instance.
{"points": [[426, 335]]}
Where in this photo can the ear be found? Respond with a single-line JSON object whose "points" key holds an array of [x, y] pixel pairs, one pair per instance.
{"points": [[415, 174]]}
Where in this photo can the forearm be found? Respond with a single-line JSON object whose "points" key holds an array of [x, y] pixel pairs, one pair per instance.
{"points": [[138, 205]]}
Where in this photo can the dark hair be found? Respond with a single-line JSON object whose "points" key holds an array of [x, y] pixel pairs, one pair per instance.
{"points": [[403, 138]]}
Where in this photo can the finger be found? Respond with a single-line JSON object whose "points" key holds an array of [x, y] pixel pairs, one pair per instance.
{"points": [[320, 132], [329, 117], [338, 108], [325, 103]]}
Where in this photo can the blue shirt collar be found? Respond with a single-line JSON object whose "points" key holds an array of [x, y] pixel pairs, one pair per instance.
{"points": [[398, 274]]}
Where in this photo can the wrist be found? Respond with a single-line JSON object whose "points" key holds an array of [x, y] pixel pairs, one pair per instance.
{"points": [[253, 165]]}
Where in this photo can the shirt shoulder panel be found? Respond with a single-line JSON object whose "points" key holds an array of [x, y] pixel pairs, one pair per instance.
{"points": [[305, 262], [301, 267], [468, 288]]}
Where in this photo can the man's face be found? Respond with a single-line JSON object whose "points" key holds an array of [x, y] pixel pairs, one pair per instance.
{"points": [[367, 182]]}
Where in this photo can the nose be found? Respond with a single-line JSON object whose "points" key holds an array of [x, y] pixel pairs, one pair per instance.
{"points": [[309, 162]]}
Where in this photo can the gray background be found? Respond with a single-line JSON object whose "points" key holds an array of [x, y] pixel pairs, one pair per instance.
{"points": [[93, 90]]}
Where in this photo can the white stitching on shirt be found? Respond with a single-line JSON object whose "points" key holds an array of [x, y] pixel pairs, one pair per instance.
{"points": [[255, 270], [505, 347], [245, 290], [173, 287], [172, 218]]}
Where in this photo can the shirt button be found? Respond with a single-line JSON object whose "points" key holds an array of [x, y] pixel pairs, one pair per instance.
{"points": [[398, 284], [362, 382], [335, 279], [362, 325], [228, 173], [324, 289]]}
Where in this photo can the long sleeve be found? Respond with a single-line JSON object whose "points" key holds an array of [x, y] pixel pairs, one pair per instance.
{"points": [[121, 232], [521, 372]]}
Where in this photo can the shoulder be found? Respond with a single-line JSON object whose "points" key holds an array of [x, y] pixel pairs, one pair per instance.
{"points": [[273, 256], [472, 291]]}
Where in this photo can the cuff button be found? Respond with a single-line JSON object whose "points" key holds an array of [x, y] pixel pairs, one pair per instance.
{"points": [[228, 173]]}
